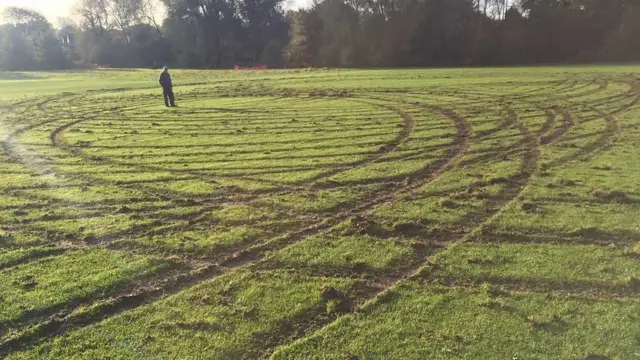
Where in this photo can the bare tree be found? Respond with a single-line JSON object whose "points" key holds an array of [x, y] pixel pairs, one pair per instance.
{"points": [[496, 9], [28, 17], [150, 10], [95, 15], [499, 8], [125, 14]]}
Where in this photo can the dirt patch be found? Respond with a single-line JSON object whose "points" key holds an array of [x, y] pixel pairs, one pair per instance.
{"points": [[410, 229], [619, 197], [602, 168], [529, 207], [364, 226], [634, 284], [336, 301], [350, 357], [591, 233], [562, 183], [556, 325], [597, 357], [449, 204]]}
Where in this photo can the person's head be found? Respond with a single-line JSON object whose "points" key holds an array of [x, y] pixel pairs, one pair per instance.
{"points": [[165, 68]]}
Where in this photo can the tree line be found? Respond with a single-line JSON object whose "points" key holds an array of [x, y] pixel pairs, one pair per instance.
{"points": [[332, 33]]}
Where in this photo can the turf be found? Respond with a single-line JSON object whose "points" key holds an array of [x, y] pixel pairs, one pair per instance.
{"points": [[321, 214]]}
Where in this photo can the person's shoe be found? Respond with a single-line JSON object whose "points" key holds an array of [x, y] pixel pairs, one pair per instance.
{"points": [[174, 105]]}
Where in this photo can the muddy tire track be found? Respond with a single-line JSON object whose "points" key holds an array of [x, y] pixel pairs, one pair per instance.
{"points": [[520, 181], [60, 325]]}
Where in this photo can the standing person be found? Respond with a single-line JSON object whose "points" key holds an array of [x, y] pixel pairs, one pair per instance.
{"points": [[167, 88]]}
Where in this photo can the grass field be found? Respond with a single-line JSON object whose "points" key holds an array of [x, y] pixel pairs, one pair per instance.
{"points": [[398, 214]]}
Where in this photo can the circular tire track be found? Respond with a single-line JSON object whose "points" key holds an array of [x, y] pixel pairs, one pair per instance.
{"points": [[248, 257]]}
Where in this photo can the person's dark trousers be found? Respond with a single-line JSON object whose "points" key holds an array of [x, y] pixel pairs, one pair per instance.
{"points": [[169, 98]]}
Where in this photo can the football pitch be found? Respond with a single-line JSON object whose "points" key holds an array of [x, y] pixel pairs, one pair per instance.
{"points": [[489, 213]]}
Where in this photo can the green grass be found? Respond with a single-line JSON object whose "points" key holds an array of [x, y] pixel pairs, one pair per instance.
{"points": [[210, 241], [47, 285], [418, 322], [563, 265], [228, 318], [482, 213], [344, 253]]}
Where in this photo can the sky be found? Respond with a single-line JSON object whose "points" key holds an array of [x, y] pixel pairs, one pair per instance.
{"points": [[54, 9]]}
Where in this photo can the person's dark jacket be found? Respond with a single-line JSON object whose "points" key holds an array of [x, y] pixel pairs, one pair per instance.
{"points": [[165, 80]]}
